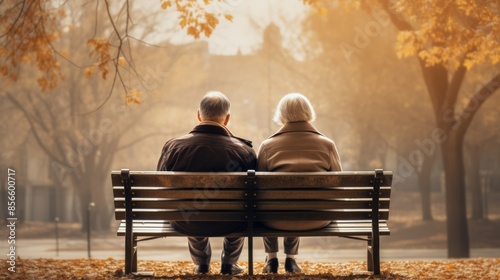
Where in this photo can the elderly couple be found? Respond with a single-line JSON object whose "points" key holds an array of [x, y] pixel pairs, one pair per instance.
{"points": [[210, 146]]}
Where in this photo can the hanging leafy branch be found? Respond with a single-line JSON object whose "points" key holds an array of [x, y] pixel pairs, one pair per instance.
{"points": [[198, 17], [29, 30], [451, 33]]}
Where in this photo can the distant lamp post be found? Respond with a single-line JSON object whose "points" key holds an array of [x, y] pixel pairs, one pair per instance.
{"points": [[89, 208], [56, 220]]}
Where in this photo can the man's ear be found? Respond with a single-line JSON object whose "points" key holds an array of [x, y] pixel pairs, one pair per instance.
{"points": [[199, 117], [226, 120]]}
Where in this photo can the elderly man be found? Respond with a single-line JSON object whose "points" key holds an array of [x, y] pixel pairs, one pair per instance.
{"points": [[210, 147]]}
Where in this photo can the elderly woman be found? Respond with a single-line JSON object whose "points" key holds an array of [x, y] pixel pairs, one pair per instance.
{"points": [[296, 147]]}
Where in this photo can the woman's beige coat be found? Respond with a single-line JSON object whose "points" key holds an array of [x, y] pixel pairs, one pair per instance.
{"points": [[298, 147]]}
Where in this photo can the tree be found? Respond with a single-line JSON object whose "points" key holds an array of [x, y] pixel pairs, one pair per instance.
{"points": [[448, 38], [461, 35], [80, 141], [364, 82], [30, 29], [479, 142]]}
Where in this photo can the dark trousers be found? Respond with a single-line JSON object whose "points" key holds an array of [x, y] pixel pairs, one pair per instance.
{"points": [[291, 245], [201, 252]]}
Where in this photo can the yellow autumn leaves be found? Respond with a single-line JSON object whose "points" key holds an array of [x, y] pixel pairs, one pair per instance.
{"points": [[479, 268], [27, 33], [101, 50], [458, 33], [198, 17], [462, 32]]}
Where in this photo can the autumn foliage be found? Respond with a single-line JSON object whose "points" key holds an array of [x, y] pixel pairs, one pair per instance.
{"points": [[462, 32], [198, 17], [28, 30], [485, 269], [101, 50], [458, 29]]}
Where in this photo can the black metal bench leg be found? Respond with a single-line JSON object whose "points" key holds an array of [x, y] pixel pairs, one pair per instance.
{"points": [[376, 255], [250, 255], [375, 238], [129, 248], [134, 256], [373, 256], [130, 241], [369, 255]]}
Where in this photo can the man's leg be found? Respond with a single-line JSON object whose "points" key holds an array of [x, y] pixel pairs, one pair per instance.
{"points": [[230, 255], [271, 244], [233, 246], [200, 250]]}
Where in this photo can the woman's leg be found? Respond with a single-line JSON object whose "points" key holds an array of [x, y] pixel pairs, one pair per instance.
{"points": [[291, 245], [271, 248]]}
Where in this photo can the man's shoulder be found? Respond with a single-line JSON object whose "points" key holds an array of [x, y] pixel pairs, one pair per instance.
{"points": [[244, 141], [178, 140]]}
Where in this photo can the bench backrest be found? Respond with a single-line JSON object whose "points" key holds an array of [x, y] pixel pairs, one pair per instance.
{"points": [[320, 196], [258, 196]]}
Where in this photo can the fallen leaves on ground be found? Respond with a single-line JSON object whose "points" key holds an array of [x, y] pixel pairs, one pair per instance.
{"points": [[480, 268]]}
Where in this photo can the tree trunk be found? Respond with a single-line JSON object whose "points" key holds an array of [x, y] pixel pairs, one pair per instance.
{"points": [[456, 222], [474, 182], [102, 212], [91, 189], [424, 183], [85, 200]]}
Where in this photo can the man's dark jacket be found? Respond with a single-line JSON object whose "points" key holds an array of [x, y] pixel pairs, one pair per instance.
{"points": [[207, 148]]}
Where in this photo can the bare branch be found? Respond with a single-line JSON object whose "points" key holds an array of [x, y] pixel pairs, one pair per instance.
{"points": [[477, 100], [138, 140], [398, 21], [32, 125], [17, 18]]}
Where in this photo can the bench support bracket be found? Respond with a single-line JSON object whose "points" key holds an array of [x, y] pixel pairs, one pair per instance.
{"points": [[373, 260], [130, 240], [250, 194]]}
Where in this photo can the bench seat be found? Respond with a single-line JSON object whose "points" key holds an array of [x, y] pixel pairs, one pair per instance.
{"points": [[162, 228]]}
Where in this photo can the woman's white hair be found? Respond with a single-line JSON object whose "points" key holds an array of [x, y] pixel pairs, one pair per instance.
{"points": [[214, 106], [294, 107]]}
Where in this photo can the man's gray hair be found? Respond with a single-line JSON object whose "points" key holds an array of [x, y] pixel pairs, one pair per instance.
{"points": [[294, 107], [214, 106]]}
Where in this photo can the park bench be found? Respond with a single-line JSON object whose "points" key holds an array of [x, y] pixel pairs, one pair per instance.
{"points": [[357, 203]]}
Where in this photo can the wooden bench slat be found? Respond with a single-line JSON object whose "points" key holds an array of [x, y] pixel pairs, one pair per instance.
{"points": [[320, 179], [316, 215], [239, 205], [319, 204], [274, 179], [165, 228], [267, 193], [264, 194], [182, 179], [181, 215], [185, 204], [160, 192], [326, 231], [176, 215]]}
